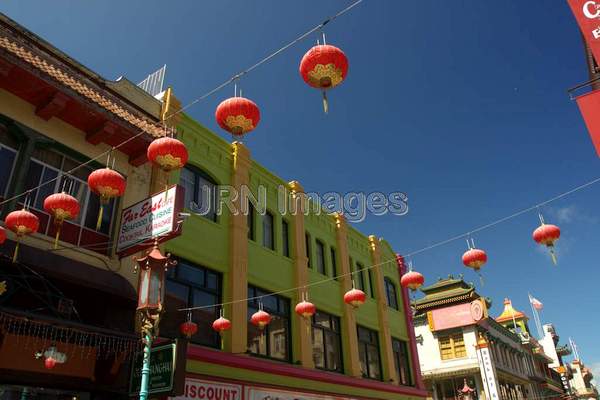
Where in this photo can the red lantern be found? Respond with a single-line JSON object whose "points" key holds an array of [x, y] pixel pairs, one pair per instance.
{"points": [[412, 280], [21, 222], [221, 325], [107, 184], [547, 235], [474, 258], [237, 115], [167, 153], [61, 206], [355, 297], [188, 329], [50, 362], [324, 67], [306, 309], [2, 235], [260, 319]]}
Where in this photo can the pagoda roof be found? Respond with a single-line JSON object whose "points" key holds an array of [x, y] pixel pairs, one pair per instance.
{"points": [[447, 291], [509, 313]]}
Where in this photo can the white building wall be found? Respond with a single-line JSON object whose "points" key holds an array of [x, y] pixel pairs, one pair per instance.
{"points": [[429, 351]]}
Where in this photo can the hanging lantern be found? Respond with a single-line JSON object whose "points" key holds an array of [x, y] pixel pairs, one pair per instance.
{"points": [[237, 115], [306, 309], [260, 319], [188, 328], [221, 325], [21, 222], [466, 393], [61, 206], [547, 235], [49, 362], [2, 235], [474, 258], [324, 67], [167, 153], [355, 297], [412, 280], [108, 184]]}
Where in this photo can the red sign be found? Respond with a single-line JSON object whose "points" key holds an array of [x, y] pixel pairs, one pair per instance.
{"points": [[589, 105], [587, 13], [455, 316]]}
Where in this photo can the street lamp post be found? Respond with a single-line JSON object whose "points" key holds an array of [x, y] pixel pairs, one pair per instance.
{"points": [[151, 290]]}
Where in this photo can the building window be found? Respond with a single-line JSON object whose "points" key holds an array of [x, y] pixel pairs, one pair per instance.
{"points": [[190, 285], [200, 192], [368, 351], [452, 346], [371, 281], [285, 238], [334, 263], [268, 236], [390, 292], [401, 362], [250, 222], [320, 261], [359, 278], [307, 241], [7, 164], [326, 339], [46, 174], [274, 341]]}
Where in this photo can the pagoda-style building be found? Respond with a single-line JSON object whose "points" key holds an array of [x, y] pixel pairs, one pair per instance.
{"points": [[512, 319], [460, 346]]}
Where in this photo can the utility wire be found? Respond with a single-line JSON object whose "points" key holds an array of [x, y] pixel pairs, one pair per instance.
{"points": [[410, 254]]}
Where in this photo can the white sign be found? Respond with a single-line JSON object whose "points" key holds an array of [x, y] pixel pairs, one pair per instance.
{"points": [[258, 393], [488, 373], [207, 390], [153, 217]]}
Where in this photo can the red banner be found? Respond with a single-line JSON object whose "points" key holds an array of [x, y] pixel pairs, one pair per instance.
{"points": [[589, 105], [587, 13]]}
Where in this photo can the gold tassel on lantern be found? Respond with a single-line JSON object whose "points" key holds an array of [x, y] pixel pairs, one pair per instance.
{"points": [[100, 212], [16, 252], [325, 102], [58, 226]]}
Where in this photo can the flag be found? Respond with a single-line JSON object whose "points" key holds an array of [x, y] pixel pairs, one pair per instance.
{"points": [[589, 104], [536, 303]]}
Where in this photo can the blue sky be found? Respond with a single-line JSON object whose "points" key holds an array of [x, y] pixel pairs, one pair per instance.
{"points": [[461, 105]]}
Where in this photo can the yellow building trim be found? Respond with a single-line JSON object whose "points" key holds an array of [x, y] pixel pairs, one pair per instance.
{"points": [[350, 340], [385, 338]]}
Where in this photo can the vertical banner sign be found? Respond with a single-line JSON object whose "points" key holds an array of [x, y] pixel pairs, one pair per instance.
{"points": [[587, 13], [488, 371], [589, 106]]}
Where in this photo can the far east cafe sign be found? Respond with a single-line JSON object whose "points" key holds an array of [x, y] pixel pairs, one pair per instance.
{"points": [[156, 217]]}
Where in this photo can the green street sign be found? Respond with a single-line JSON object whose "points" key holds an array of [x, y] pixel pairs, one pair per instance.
{"points": [[162, 370]]}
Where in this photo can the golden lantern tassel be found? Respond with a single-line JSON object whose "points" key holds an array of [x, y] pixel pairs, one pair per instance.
{"points": [[99, 221], [325, 102], [16, 252], [553, 255], [480, 278], [58, 226]]}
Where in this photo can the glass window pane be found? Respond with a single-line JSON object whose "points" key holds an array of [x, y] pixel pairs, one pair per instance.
{"points": [[7, 159], [307, 242], [47, 189], [190, 274], [250, 221], [373, 354], [333, 355], [278, 346], [318, 348], [177, 293], [212, 281], [187, 180], [362, 354], [206, 197], [268, 231], [48, 157], [285, 238], [322, 319], [334, 263], [320, 257]]}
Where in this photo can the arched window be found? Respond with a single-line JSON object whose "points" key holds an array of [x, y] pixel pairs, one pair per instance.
{"points": [[201, 195], [390, 292]]}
